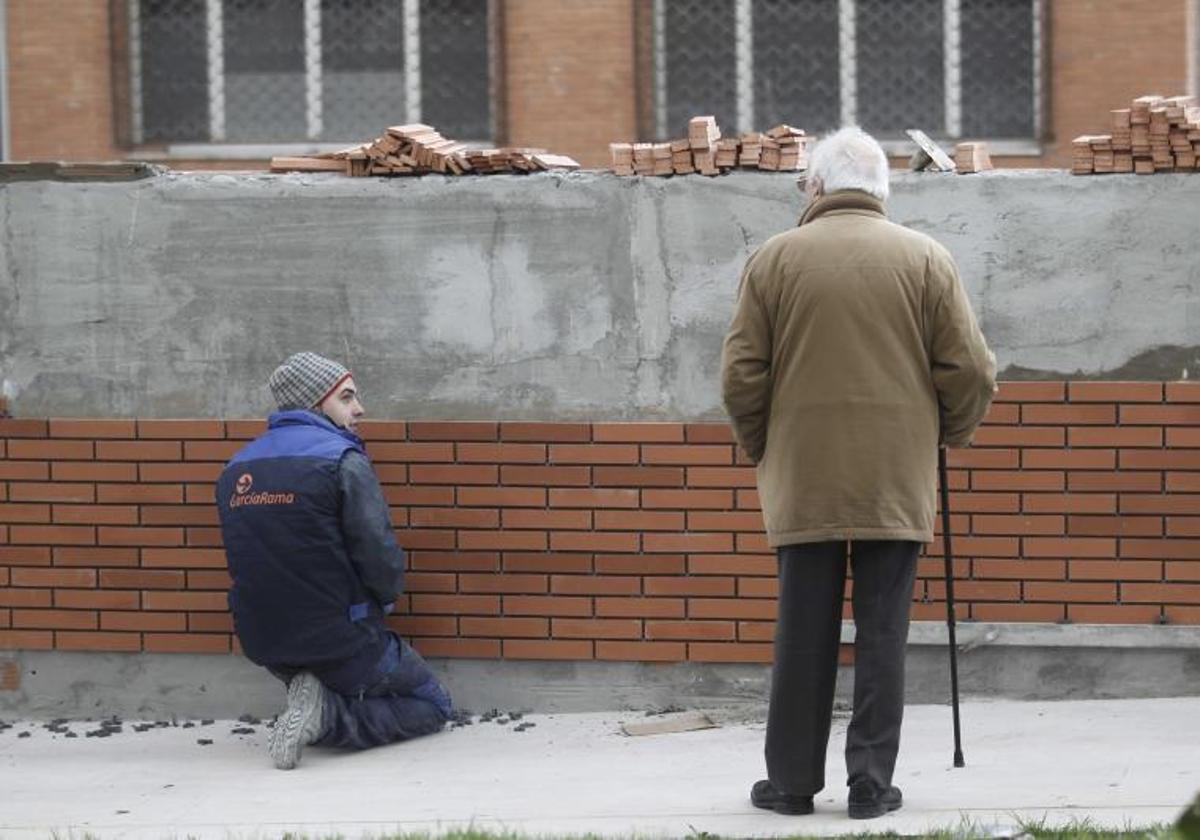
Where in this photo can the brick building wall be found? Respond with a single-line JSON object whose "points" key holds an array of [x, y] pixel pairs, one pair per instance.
{"points": [[570, 79], [1080, 503]]}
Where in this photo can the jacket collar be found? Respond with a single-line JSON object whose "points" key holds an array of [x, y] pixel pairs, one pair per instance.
{"points": [[307, 417], [843, 201]]}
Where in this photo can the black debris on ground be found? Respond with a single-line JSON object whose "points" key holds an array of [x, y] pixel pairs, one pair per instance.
{"points": [[204, 742], [143, 727], [489, 716], [187, 725], [521, 727], [207, 722], [5, 725], [23, 735], [515, 715], [71, 735], [665, 710], [250, 719], [242, 730]]}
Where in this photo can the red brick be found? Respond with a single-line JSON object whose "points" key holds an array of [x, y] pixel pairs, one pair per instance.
{"points": [[547, 649], [639, 520], [640, 607], [1183, 437], [54, 577], [557, 476], [139, 450], [180, 515], [1177, 504], [456, 604], [13, 597], [453, 474], [140, 493], [741, 521], [370, 430], [731, 564], [1183, 526], [183, 558], [171, 601], [564, 519], [24, 513], [1017, 524], [1182, 482], [142, 535], [689, 454], [965, 546], [180, 429], [91, 428], [99, 641], [1108, 436], [1112, 614], [757, 587], [547, 605], [502, 540], [1070, 415], [747, 500], [692, 630], [1020, 436], [438, 540], [425, 625], [504, 583], [1159, 459], [1020, 569], [638, 476], [1183, 569], [637, 432], [26, 640], [1151, 548], [764, 631], [93, 471], [707, 586], [985, 459], [1126, 481], [95, 599], [391, 473], [1050, 613], [760, 609], [1131, 593], [439, 496], [688, 499], [455, 518], [452, 430], [1071, 591], [38, 492], [596, 628], [1069, 459], [1011, 480], [593, 498], [508, 627], [194, 472], [94, 556], [210, 622], [412, 452], [458, 648], [721, 477], [977, 590], [1002, 414], [592, 541], [96, 514], [1161, 415], [1115, 526], [1070, 547], [209, 579], [203, 450], [595, 585], [981, 502], [1117, 392], [640, 651], [537, 562], [640, 564], [501, 453], [730, 652], [12, 427], [566, 453], [185, 643], [708, 433], [1070, 503], [1175, 614], [502, 496], [546, 432], [1185, 392], [688, 543], [54, 620], [455, 561], [1031, 392], [52, 535], [24, 471], [1115, 570]]}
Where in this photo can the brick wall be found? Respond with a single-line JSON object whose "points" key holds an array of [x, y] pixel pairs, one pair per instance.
{"points": [[622, 541], [576, 100]]}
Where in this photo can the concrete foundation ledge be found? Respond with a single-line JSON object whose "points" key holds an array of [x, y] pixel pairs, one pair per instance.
{"points": [[1011, 661]]}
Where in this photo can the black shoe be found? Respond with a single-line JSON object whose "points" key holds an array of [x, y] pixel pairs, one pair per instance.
{"points": [[765, 795], [868, 802]]}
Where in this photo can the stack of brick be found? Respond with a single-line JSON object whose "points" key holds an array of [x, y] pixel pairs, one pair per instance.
{"points": [[782, 148], [972, 157], [418, 149], [1155, 134]]}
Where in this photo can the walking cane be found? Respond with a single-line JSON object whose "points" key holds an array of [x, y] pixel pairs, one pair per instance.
{"points": [[958, 753]]}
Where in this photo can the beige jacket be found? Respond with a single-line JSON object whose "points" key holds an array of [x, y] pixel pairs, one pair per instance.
{"points": [[853, 343]]}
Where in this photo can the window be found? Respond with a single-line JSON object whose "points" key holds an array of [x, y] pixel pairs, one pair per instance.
{"points": [[954, 68], [337, 71]]}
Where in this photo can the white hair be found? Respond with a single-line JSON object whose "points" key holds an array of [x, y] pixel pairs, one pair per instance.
{"points": [[850, 159]]}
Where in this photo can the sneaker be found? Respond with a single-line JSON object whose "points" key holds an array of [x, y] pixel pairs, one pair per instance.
{"points": [[866, 801], [300, 723], [765, 795]]}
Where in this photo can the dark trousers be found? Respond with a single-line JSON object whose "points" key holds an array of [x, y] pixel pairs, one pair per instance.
{"points": [[812, 580], [398, 700]]}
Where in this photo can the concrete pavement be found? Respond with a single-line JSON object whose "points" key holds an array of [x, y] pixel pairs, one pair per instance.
{"points": [[1116, 763]]}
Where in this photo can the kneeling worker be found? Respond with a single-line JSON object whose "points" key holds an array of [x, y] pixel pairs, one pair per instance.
{"points": [[316, 567]]}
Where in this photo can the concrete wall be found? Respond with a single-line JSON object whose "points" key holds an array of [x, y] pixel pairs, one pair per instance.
{"points": [[549, 296]]}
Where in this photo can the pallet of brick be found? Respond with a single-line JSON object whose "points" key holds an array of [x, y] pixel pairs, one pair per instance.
{"points": [[660, 153], [681, 157], [726, 156], [1122, 130], [1082, 157], [751, 149], [622, 158], [768, 158], [972, 157], [643, 158], [1103, 160], [705, 162], [785, 147], [703, 133]]}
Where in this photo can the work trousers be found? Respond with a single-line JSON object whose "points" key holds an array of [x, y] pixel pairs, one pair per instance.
{"points": [[812, 579], [398, 700]]}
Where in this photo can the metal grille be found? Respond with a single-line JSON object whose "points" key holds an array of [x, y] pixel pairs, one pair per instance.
{"points": [[951, 67], [261, 71], [698, 63]]}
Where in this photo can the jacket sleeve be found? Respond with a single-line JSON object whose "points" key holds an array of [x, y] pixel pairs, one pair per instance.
{"points": [[963, 368], [367, 531], [746, 367]]}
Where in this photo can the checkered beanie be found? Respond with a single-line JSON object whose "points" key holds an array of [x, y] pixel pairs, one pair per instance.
{"points": [[304, 380]]}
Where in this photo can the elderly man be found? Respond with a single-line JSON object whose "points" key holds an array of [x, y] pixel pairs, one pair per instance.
{"points": [[316, 567], [853, 354]]}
